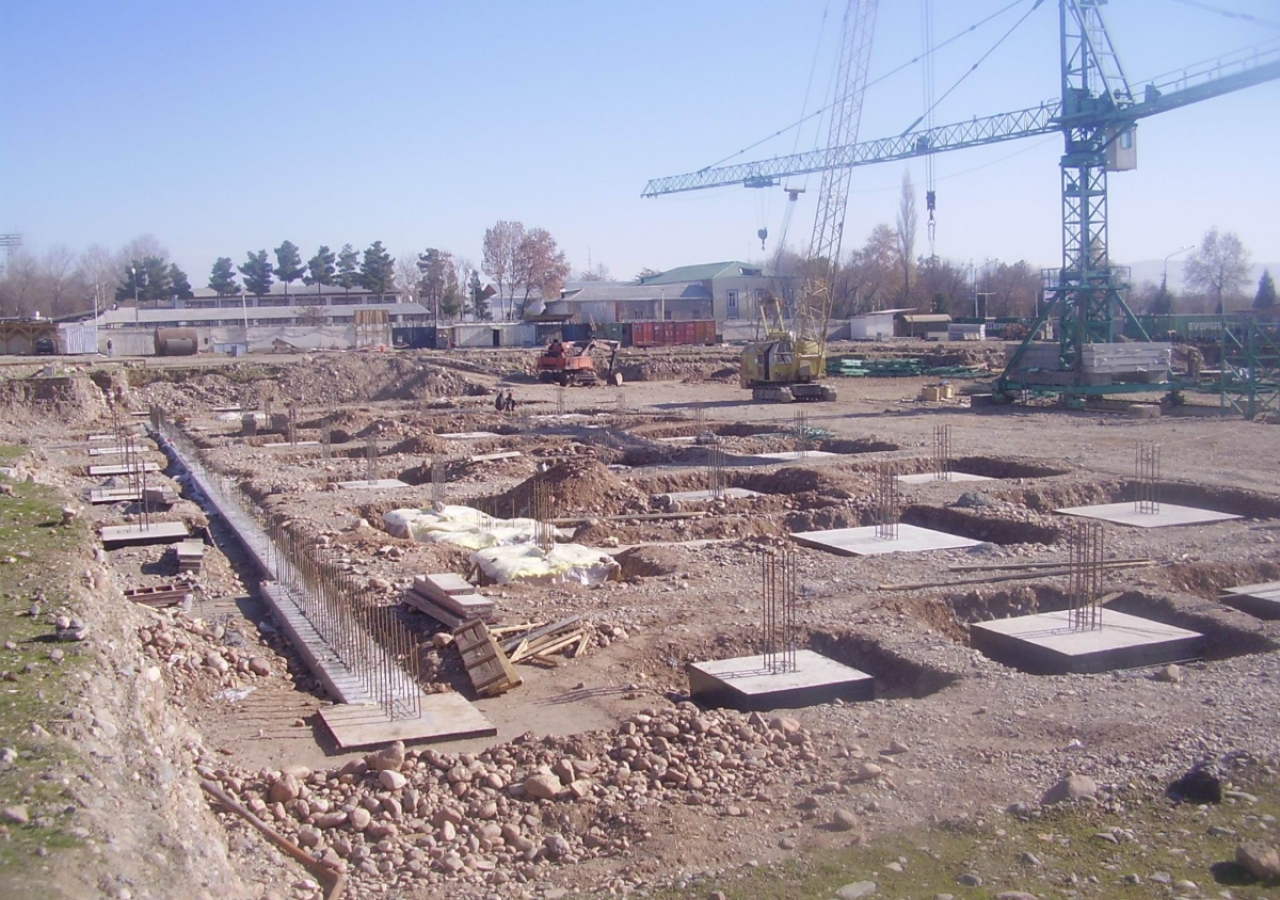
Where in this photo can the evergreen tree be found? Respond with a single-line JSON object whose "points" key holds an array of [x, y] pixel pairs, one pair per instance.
{"points": [[288, 264], [146, 279], [320, 268], [348, 265], [179, 286], [479, 303], [1266, 296], [223, 277], [257, 272], [377, 270]]}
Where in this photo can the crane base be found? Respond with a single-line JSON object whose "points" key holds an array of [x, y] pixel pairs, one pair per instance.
{"points": [[797, 393]]}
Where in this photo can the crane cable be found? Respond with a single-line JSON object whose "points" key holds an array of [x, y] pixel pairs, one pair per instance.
{"points": [[885, 76], [930, 194], [973, 68], [795, 146], [1246, 17]]}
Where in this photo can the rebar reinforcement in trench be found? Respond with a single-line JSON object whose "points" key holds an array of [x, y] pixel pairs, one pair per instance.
{"points": [[357, 648]]}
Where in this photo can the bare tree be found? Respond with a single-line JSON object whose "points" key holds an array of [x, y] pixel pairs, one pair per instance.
{"points": [[502, 259], [906, 233], [18, 290], [98, 270], [1219, 267], [540, 263], [58, 274], [406, 276], [141, 247]]}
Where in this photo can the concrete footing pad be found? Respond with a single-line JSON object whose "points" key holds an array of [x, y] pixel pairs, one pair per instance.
{"points": [[1167, 514], [378, 484], [745, 683], [864, 542], [1261, 600], [946, 478], [1046, 644]]}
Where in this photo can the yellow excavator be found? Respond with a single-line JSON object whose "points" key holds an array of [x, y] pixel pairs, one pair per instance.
{"points": [[788, 363]]}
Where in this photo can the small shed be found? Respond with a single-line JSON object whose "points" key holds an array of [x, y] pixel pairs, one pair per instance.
{"points": [[922, 325], [873, 326]]}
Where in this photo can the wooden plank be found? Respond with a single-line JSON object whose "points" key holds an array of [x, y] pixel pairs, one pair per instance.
{"points": [[508, 646], [444, 717], [490, 671], [422, 604], [160, 595]]}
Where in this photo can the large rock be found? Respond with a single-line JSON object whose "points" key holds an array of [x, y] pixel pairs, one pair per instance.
{"points": [[1261, 860], [857, 889], [389, 758], [542, 786], [391, 779], [284, 790], [1072, 788], [843, 820]]}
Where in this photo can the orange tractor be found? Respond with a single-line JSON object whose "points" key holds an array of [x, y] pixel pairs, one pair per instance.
{"points": [[572, 363]]}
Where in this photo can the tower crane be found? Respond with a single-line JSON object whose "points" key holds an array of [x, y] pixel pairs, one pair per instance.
{"points": [[1097, 114], [787, 365]]}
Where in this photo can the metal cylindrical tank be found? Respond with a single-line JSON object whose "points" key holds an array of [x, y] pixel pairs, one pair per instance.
{"points": [[176, 342]]}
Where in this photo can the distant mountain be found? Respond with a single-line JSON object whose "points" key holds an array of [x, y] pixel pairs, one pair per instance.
{"points": [[1151, 270]]}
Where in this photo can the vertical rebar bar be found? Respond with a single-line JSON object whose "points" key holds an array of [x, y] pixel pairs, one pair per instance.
{"points": [[1146, 466], [560, 401], [802, 433], [371, 457], [888, 510], [942, 453], [715, 469], [1085, 576], [778, 599]]}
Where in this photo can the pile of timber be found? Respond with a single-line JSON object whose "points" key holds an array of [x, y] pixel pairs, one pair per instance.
{"points": [[161, 595], [536, 641], [449, 599]]}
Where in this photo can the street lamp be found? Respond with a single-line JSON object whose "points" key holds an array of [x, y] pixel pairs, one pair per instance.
{"points": [[133, 270]]}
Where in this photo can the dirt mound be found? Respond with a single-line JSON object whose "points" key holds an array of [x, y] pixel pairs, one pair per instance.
{"points": [[577, 486], [647, 562], [69, 399], [357, 377], [420, 444]]}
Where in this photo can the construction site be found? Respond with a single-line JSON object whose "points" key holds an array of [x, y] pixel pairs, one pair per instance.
{"points": [[784, 617]]}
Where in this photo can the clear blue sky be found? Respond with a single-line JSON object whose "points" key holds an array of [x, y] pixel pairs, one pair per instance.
{"points": [[230, 126]]}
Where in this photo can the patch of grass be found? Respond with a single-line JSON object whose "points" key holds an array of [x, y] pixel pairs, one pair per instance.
{"points": [[32, 683], [1061, 851], [11, 451]]}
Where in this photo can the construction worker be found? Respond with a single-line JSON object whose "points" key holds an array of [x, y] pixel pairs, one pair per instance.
{"points": [[511, 401], [499, 403], [555, 348]]}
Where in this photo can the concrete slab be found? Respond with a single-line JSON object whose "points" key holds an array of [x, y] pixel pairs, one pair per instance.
{"points": [[1046, 644], [285, 445], [1261, 600], [378, 484], [744, 683], [444, 717], [123, 470], [140, 447], [114, 536], [793, 455], [114, 495], [863, 541], [687, 439], [948, 477], [1125, 514], [703, 496], [469, 436]]}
